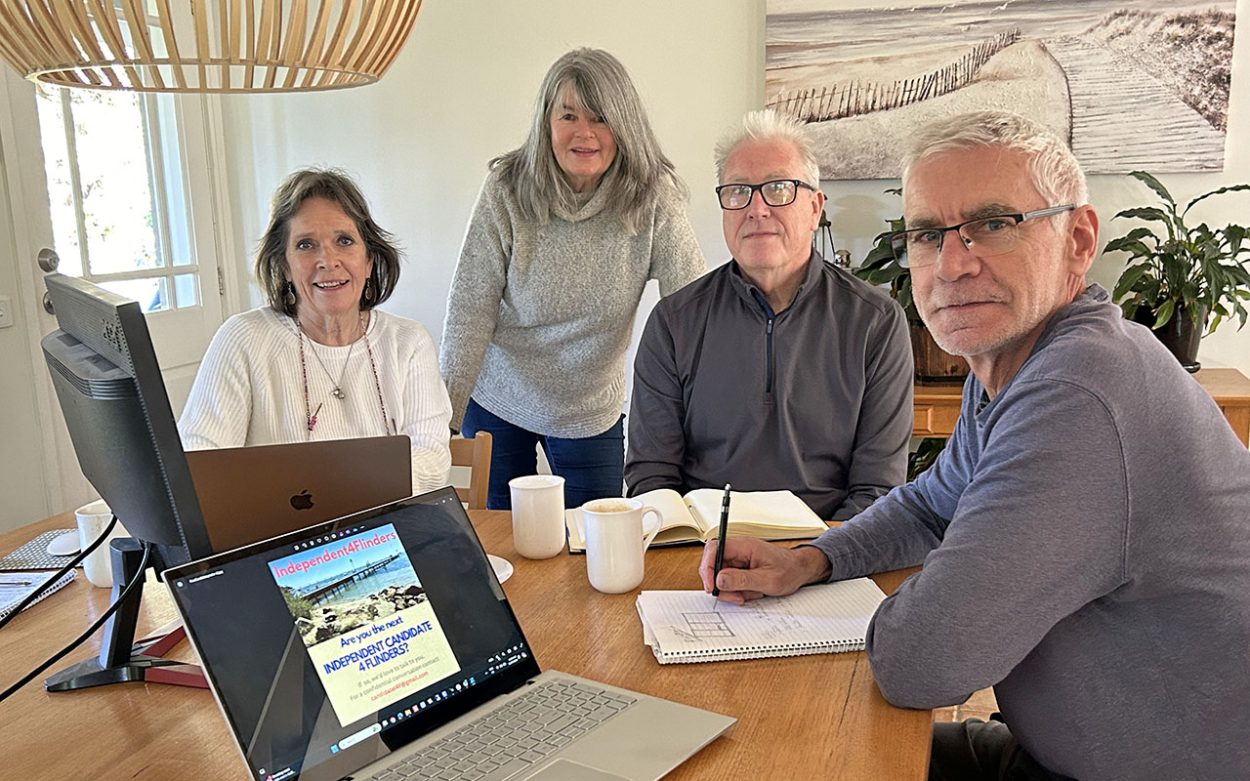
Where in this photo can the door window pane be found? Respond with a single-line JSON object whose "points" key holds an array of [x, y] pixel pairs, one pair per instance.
{"points": [[111, 143], [60, 176], [186, 290], [152, 293]]}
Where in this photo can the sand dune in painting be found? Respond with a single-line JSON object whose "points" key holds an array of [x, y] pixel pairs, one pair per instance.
{"points": [[869, 146], [1130, 87]]}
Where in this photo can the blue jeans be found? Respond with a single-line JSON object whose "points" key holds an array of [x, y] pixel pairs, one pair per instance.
{"points": [[592, 467]]}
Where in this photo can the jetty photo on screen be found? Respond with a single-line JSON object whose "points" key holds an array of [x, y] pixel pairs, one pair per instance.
{"points": [[365, 620]]}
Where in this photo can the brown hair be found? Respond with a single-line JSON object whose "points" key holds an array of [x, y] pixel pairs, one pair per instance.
{"points": [[338, 188]]}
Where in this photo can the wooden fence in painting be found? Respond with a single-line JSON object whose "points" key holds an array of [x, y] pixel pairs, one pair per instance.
{"points": [[850, 99]]}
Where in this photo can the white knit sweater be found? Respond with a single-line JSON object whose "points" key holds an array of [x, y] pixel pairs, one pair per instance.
{"points": [[539, 315], [249, 391]]}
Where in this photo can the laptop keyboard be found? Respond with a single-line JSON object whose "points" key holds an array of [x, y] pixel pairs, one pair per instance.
{"points": [[514, 737]]}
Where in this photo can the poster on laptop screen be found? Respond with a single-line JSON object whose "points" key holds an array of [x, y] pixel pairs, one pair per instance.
{"points": [[365, 620]]}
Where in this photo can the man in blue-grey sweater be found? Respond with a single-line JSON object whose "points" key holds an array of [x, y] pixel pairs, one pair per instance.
{"points": [[1085, 535]]}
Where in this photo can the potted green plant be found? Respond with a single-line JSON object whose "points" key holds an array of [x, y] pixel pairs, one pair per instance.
{"points": [[879, 267], [1181, 280]]}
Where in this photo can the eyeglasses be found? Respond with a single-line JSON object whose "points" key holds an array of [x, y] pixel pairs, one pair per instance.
{"points": [[984, 236], [779, 192]]}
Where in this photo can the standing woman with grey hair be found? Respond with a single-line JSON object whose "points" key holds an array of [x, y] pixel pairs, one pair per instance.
{"points": [[320, 362], [566, 232]]}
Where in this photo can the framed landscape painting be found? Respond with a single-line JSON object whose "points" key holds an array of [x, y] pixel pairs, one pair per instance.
{"points": [[1132, 84]]}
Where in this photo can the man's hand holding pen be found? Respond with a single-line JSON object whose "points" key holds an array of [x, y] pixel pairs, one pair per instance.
{"points": [[753, 568]]}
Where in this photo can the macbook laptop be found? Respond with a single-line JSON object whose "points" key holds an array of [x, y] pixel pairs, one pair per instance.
{"points": [[248, 494], [381, 646]]}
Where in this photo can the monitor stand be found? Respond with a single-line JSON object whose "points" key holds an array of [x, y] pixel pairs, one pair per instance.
{"points": [[122, 659]]}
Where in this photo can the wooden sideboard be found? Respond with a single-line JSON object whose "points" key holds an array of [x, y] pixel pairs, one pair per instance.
{"points": [[937, 405]]}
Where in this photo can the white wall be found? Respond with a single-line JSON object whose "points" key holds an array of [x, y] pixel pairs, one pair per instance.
{"points": [[461, 92], [23, 488]]}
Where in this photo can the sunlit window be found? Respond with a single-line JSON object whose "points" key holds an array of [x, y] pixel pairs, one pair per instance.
{"points": [[118, 201]]}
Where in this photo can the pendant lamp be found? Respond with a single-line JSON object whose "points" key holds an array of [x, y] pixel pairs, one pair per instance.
{"points": [[205, 45]]}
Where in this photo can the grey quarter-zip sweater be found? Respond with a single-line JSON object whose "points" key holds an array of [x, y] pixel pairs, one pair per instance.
{"points": [[816, 398]]}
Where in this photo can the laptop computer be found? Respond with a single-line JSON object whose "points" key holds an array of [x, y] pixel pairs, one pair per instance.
{"points": [[382, 646], [249, 494]]}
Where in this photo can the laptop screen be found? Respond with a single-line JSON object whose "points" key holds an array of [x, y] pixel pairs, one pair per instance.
{"points": [[333, 646]]}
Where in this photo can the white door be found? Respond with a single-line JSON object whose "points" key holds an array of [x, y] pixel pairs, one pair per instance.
{"points": [[121, 186]]}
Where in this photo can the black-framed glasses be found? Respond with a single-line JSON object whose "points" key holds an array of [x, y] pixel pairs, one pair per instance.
{"points": [[984, 236], [778, 192]]}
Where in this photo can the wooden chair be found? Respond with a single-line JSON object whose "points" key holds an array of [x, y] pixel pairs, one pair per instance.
{"points": [[475, 454]]}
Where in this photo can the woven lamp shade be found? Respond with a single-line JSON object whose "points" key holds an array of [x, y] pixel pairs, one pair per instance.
{"points": [[205, 45]]}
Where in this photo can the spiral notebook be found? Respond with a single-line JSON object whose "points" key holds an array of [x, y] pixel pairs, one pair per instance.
{"points": [[692, 626], [16, 586]]}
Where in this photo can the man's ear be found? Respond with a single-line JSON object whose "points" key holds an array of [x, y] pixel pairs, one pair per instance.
{"points": [[1083, 239], [818, 206]]}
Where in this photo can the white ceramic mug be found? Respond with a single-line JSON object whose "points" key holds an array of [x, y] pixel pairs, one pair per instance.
{"points": [[92, 520], [615, 542], [537, 515]]}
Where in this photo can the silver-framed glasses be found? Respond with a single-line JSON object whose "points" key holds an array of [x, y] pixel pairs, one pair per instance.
{"points": [[996, 234]]}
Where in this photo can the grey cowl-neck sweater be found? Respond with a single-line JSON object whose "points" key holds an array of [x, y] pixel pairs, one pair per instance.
{"points": [[540, 315]]}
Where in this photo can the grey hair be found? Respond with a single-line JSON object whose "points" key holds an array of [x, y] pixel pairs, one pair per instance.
{"points": [[599, 84], [768, 125], [1053, 168]]}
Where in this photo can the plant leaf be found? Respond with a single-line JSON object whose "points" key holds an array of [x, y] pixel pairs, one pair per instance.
{"points": [[1149, 213], [1156, 185], [1131, 241], [1128, 279], [1229, 189], [1164, 313], [905, 300], [1137, 233]]}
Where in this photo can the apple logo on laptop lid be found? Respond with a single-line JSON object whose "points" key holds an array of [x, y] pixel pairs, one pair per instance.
{"points": [[302, 500]]}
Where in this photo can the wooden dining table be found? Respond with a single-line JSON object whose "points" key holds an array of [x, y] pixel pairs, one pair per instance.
{"points": [[818, 716]]}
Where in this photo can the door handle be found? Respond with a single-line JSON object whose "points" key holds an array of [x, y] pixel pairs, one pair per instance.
{"points": [[48, 260]]}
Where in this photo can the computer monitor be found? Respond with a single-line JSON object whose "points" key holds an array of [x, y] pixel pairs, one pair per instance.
{"points": [[109, 385]]}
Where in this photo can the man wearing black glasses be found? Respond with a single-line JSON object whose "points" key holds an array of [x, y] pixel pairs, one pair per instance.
{"points": [[1085, 535], [776, 370]]}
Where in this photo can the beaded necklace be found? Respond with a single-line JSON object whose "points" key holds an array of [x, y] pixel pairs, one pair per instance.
{"points": [[310, 415]]}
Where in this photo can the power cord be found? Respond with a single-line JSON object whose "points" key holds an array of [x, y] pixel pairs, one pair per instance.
{"points": [[32, 596], [121, 599]]}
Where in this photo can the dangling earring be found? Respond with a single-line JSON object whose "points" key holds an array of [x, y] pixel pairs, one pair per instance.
{"points": [[368, 295], [288, 293]]}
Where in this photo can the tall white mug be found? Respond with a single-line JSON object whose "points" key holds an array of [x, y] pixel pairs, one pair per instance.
{"points": [[92, 520], [615, 543], [537, 515]]}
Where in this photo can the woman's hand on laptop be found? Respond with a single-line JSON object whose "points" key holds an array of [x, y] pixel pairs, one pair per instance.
{"points": [[753, 569]]}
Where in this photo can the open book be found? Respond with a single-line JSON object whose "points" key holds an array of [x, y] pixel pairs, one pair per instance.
{"points": [[691, 626], [695, 517]]}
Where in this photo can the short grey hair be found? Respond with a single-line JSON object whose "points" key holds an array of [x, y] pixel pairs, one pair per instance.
{"points": [[768, 125], [1053, 168], [599, 84]]}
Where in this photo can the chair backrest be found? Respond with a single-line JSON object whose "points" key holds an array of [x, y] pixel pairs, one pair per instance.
{"points": [[475, 454]]}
